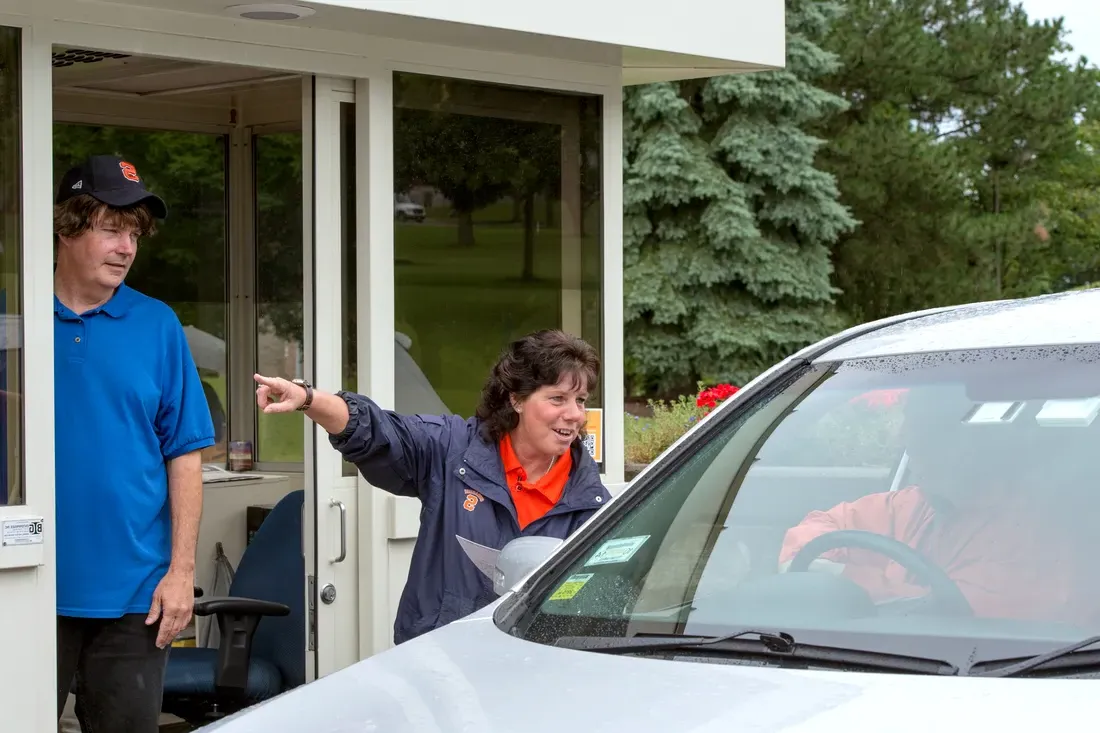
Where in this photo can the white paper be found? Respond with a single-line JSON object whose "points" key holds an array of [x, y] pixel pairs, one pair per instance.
{"points": [[485, 558]]}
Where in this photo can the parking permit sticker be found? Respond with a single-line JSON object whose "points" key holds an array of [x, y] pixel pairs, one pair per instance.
{"points": [[571, 587], [617, 551]]}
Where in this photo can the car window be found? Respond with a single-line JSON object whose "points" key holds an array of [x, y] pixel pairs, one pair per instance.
{"points": [[979, 465]]}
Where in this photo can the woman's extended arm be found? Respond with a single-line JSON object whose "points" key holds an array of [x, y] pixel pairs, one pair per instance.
{"points": [[396, 453], [280, 395]]}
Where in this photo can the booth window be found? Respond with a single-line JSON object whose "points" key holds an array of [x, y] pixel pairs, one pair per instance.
{"points": [[184, 263], [277, 162], [11, 281], [279, 303], [497, 230]]}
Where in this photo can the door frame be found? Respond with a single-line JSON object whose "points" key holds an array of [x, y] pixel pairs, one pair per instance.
{"points": [[331, 630], [330, 523], [28, 577]]}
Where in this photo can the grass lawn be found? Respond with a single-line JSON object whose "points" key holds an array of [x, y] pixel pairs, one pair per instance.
{"points": [[280, 435], [462, 305]]}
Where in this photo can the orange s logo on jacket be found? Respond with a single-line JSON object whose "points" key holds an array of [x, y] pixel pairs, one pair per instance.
{"points": [[473, 498]]}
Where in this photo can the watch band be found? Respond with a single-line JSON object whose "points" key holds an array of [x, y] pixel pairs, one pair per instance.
{"points": [[309, 393]]}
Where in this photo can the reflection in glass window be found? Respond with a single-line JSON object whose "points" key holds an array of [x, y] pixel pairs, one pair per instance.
{"points": [[279, 345], [11, 295], [497, 229], [184, 264]]}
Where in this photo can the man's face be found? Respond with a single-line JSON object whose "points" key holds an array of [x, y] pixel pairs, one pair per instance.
{"points": [[104, 253]]}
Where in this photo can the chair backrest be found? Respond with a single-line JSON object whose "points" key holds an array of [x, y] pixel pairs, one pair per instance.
{"points": [[273, 569]]}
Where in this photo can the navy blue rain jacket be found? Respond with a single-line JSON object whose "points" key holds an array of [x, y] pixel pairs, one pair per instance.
{"points": [[459, 479]]}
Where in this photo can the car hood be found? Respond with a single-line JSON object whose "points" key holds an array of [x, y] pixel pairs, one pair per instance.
{"points": [[470, 677]]}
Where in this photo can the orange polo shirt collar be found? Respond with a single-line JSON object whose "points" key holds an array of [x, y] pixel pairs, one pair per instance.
{"points": [[532, 500]]}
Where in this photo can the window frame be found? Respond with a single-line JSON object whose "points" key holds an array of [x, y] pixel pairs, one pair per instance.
{"points": [[17, 416]]}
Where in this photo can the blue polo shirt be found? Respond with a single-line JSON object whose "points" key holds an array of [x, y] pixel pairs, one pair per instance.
{"points": [[127, 399]]}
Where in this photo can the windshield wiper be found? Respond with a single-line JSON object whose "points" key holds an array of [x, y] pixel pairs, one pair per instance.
{"points": [[775, 643], [772, 640], [1038, 660]]}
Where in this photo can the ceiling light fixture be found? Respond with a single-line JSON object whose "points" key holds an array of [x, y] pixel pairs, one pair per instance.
{"points": [[270, 11]]}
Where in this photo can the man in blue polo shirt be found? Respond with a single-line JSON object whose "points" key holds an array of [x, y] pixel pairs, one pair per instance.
{"points": [[131, 420]]}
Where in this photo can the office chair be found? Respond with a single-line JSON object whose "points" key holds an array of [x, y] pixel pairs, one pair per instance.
{"points": [[261, 623]]}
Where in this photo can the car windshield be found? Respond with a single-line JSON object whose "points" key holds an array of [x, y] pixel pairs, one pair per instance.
{"points": [[877, 502]]}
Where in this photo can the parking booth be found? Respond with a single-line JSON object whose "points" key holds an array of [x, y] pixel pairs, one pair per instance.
{"points": [[329, 219]]}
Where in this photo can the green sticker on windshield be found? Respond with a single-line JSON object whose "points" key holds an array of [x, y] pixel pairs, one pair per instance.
{"points": [[571, 587], [613, 552]]}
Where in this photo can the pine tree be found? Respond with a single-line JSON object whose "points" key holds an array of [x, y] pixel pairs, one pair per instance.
{"points": [[728, 223]]}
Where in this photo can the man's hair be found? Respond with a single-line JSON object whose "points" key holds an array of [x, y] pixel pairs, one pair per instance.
{"points": [[537, 360], [80, 213]]}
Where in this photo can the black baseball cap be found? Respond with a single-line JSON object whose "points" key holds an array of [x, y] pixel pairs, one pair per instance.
{"points": [[111, 180]]}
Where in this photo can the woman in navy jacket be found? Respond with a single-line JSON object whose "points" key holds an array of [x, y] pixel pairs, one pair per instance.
{"points": [[518, 467]]}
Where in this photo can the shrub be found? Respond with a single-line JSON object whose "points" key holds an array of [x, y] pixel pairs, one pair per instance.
{"points": [[648, 437]]}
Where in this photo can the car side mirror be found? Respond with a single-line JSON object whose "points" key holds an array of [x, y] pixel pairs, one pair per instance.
{"points": [[519, 558]]}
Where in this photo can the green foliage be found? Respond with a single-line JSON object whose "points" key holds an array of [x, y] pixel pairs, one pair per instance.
{"points": [[279, 236], [960, 116], [1069, 251], [727, 223], [647, 437]]}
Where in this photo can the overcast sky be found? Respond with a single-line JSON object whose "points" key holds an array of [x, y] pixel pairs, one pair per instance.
{"points": [[1082, 23]]}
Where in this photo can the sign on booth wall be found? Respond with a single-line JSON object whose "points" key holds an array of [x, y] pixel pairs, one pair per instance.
{"points": [[594, 440]]}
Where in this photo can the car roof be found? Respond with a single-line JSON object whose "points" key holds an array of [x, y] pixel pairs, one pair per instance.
{"points": [[1069, 318]]}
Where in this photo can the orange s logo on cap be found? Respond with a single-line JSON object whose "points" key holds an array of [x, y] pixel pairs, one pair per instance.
{"points": [[129, 172]]}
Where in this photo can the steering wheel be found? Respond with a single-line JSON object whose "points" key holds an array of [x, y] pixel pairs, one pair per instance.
{"points": [[947, 595]]}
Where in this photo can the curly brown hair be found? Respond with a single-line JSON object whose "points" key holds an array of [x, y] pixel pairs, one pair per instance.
{"points": [[80, 213], [537, 360]]}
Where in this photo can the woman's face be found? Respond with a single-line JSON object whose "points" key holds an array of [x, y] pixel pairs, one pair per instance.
{"points": [[552, 416]]}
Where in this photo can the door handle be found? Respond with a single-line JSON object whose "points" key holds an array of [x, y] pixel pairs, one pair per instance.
{"points": [[343, 530]]}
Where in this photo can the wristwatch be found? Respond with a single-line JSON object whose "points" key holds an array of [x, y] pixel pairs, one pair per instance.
{"points": [[309, 393]]}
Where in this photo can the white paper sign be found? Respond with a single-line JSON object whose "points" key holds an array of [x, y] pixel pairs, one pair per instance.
{"points": [[617, 551], [22, 532]]}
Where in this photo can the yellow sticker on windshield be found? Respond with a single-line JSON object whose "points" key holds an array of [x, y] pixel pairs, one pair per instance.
{"points": [[571, 587]]}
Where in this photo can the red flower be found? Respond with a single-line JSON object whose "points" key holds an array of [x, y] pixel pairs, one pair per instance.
{"points": [[711, 396]]}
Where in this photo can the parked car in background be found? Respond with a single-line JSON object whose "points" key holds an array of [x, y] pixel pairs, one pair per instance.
{"points": [[405, 209], [890, 530]]}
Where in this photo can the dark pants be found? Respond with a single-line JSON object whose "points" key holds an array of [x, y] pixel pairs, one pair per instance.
{"points": [[118, 669]]}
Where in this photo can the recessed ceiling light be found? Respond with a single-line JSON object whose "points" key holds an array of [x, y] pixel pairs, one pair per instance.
{"points": [[270, 11]]}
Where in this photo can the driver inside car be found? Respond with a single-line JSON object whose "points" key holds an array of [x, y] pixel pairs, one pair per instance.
{"points": [[976, 508]]}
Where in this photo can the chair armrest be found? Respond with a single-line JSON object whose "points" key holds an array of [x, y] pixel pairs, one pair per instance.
{"points": [[237, 621], [217, 605]]}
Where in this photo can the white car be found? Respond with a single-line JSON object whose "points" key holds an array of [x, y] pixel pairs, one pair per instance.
{"points": [[891, 530], [405, 209]]}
